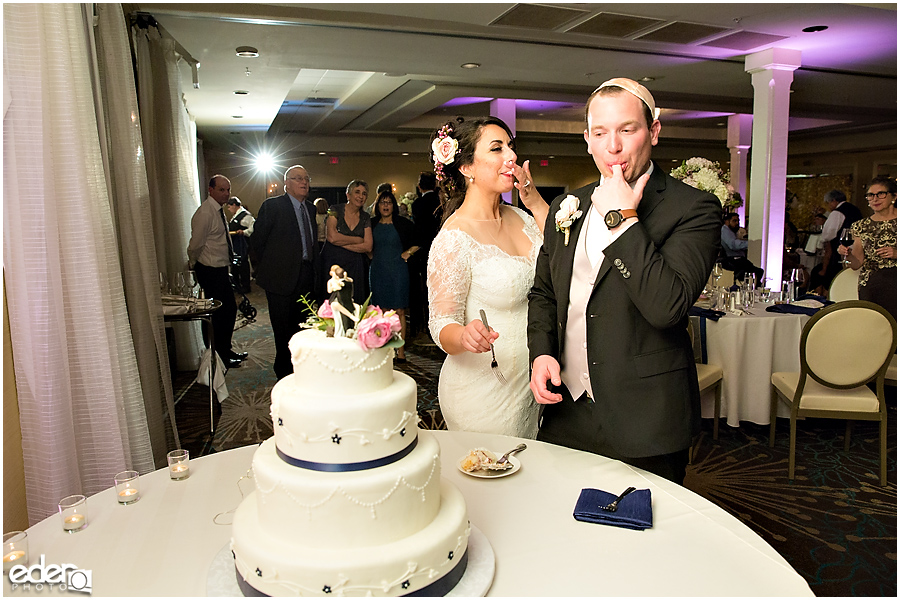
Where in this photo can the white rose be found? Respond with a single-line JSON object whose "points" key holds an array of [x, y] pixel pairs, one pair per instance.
{"points": [[568, 212], [444, 150]]}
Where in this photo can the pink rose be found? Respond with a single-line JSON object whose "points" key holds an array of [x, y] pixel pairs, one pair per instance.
{"points": [[444, 150], [325, 311], [394, 319], [374, 332]]}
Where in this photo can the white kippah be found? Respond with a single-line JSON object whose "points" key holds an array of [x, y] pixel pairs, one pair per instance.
{"points": [[634, 88]]}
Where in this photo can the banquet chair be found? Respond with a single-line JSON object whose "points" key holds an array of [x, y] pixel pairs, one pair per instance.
{"points": [[709, 376], [890, 377], [844, 286], [842, 348]]}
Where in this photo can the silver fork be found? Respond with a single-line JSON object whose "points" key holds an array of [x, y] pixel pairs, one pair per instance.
{"points": [[494, 367], [614, 505], [505, 458]]}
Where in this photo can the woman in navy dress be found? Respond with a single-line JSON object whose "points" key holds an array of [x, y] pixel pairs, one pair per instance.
{"points": [[393, 243], [348, 234]]}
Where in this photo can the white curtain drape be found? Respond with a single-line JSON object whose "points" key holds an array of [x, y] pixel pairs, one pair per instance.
{"points": [[169, 143], [127, 180], [79, 388]]}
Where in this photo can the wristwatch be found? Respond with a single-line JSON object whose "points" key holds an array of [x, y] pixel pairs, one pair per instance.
{"points": [[614, 218]]}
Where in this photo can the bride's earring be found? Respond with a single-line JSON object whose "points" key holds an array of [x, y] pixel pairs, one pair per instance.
{"points": [[471, 180]]}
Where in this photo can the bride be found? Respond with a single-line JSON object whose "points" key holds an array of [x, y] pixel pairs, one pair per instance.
{"points": [[483, 258]]}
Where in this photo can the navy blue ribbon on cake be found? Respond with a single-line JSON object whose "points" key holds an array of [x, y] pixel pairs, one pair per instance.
{"points": [[441, 587], [342, 467]]}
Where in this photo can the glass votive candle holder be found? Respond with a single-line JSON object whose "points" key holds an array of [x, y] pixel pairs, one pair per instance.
{"points": [[73, 513], [179, 464], [128, 487], [15, 550]]}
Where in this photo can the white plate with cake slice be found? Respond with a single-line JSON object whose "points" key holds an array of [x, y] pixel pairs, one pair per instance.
{"points": [[493, 473]]}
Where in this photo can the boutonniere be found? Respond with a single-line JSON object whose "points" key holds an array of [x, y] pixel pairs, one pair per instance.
{"points": [[566, 215]]}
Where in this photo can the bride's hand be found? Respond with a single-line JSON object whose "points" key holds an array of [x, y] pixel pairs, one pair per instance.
{"points": [[527, 191], [477, 338]]}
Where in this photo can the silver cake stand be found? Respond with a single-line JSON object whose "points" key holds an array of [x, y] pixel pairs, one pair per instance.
{"points": [[476, 581]]}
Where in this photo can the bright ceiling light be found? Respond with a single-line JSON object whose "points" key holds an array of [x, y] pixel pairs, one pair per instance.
{"points": [[470, 65], [265, 162]]}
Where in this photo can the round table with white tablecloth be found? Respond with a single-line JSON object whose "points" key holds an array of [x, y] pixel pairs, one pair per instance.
{"points": [[749, 348], [165, 544]]}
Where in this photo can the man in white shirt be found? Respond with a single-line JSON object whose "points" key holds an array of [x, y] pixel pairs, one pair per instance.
{"points": [[240, 228], [843, 215], [209, 253]]}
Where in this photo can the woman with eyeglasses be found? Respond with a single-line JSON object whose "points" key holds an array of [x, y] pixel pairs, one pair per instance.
{"points": [[874, 249], [348, 239], [393, 240]]}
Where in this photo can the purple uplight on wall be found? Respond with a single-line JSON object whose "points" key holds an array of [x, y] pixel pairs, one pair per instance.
{"points": [[537, 105], [465, 100]]}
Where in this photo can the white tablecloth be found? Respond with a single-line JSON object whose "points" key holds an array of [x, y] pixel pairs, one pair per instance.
{"points": [[163, 545], [749, 348]]}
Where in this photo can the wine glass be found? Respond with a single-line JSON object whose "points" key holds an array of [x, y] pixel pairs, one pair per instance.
{"points": [[182, 287], [717, 274], [163, 284], [846, 241]]}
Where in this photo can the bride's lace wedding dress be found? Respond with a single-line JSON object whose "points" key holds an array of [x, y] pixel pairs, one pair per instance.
{"points": [[468, 271]]}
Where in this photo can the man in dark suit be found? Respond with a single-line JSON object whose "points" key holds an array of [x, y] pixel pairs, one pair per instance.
{"points": [[607, 316], [426, 212], [286, 256]]}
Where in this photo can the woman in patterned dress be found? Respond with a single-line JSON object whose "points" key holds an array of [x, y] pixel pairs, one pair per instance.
{"points": [[874, 249]]}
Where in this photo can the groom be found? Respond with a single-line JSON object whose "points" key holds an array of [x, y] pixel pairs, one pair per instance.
{"points": [[607, 316]]}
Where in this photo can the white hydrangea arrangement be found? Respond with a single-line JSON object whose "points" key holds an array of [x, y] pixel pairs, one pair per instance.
{"points": [[706, 175]]}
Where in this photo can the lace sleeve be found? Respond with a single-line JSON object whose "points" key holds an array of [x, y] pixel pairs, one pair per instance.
{"points": [[449, 276]]}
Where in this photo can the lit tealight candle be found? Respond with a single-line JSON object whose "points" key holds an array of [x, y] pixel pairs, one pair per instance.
{"points": [[127, 493], [73, 522], [179, 471]]}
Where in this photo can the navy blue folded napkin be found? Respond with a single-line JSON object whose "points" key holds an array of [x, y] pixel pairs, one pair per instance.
{"points": [[634, 510], [713, 315], [800, 310]]}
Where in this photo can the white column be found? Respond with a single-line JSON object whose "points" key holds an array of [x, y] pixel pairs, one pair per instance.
{"points": [[772, 72], [739, 131], [505, 109]]}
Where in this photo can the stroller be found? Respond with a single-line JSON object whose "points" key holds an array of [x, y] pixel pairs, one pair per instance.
{"points": [[247, 310]]}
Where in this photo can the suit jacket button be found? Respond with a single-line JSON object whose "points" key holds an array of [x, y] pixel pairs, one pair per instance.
{"points": [[626, 274], [618, 262]]}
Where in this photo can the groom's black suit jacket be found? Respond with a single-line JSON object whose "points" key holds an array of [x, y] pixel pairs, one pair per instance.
{"points": [[647, 402]]}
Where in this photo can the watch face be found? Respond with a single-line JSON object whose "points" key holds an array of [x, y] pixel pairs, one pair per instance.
{"points": [[613, 218]]}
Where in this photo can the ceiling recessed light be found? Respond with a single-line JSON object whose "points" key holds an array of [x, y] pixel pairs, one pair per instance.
{"points": [[241, 92], [470, 65], [246, 51], [404, 154], [647, 79], [815, 28], [322, 153]]}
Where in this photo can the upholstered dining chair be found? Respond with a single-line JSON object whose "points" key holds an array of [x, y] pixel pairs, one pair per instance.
{"points": [[844, 286], [708, 376], [842, 348]]}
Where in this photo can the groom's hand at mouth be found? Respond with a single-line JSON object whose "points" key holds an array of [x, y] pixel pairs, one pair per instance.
{"points": [[545, 368], [615, 193]]}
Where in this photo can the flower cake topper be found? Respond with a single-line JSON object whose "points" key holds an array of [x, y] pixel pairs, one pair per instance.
{"points": [[443, 151], [368, 324], [706, 175], [566, 215]]}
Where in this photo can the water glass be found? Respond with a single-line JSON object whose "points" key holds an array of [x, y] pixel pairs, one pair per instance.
{"points": [[179, 464], [128, 487], [787, 291], [15, 550], [73, 513]]}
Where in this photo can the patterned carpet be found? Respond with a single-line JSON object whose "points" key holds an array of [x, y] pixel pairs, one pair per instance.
{"points": [[833, 523]]}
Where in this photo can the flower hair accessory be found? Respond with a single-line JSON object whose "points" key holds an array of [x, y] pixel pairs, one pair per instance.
{"points": [[443, 151], [566, 215]]}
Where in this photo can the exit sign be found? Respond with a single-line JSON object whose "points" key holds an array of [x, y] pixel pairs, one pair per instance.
{"points": [[545, 162], [334, 160]]}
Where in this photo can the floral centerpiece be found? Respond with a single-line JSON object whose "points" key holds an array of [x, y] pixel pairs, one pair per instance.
{"points": [[407, 200], [706, 175]]}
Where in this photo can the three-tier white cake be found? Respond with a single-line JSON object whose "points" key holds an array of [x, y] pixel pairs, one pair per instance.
{"points": [[349, 498]]}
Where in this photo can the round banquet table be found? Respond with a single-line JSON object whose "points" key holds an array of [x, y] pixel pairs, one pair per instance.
{"points": [[164, 544], [749, 348]]}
